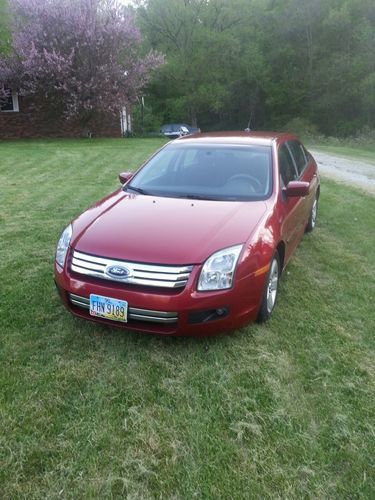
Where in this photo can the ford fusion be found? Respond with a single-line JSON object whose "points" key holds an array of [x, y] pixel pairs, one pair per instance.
{"points": [[193, 243]]}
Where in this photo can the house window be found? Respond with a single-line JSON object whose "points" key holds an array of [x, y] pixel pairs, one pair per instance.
{"points": [[10, 104]]}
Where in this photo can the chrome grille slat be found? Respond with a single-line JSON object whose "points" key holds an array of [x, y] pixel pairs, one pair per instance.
{"points": [[147, 312], [152, 319], [79, 303], [83, 270], [140, 274], [134, 313], [160, 276], [78, 298], [88, 265]]}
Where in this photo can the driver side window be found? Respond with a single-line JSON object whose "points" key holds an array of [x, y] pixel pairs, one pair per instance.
{"points": [[286, 166]]}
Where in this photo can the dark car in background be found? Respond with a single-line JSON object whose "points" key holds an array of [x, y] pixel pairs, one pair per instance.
{"points": [[174, 130]]}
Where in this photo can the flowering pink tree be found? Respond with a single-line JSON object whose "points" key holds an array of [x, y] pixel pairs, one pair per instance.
{"points": [[77, 56]]}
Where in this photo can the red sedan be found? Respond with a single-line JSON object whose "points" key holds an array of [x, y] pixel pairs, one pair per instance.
{"points": [[195, 241]]}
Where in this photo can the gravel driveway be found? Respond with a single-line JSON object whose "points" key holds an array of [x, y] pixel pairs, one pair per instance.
{"points": [[355, 172]]}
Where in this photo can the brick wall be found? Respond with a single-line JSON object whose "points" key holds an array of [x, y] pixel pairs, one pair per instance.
{"points": [[29, 123]]}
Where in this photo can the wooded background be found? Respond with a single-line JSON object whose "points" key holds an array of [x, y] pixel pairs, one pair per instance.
{"points": [[267, 62], [274, 64]]}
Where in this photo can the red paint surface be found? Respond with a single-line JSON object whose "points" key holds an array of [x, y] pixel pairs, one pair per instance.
{"points": [[177, 231]]}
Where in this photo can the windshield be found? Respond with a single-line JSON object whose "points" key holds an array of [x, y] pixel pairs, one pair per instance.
{"points": [[227, 172]]}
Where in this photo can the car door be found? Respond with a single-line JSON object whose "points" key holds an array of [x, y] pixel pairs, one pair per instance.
{"points": [[292, 207]]}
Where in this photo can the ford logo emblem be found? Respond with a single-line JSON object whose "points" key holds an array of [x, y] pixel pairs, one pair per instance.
{"points": [[117, 271]]}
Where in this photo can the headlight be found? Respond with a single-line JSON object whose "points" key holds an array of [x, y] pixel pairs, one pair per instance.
{"points": [[63, 245], [218, 270]]}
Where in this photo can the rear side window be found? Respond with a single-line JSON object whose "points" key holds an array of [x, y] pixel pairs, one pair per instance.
{"points": [[287, 171], [298, 154]]}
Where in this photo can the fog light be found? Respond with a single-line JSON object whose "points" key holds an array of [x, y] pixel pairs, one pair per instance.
{"points": [[209, 315]]}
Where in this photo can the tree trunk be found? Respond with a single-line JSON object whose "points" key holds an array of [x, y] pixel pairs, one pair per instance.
{"points": [[193, 118]]}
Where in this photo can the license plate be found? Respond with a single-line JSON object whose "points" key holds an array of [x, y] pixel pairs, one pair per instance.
{"points": [[106, 307]]}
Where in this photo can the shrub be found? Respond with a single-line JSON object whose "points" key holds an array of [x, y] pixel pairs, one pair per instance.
{"points": [[301, 127]]}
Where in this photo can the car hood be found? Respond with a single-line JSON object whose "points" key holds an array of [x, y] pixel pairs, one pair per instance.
{"points": [[164, 230]]}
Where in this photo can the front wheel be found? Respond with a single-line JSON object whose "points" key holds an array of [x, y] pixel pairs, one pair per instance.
{"points": [[271, 290], [312, 219]]}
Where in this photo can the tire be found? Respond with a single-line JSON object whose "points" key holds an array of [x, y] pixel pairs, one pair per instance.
{"points": [[271, 290], [312, 217]]}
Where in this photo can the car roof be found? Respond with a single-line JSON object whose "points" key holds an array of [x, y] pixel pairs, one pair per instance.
{"points": [[175, 125], [244, 138]]}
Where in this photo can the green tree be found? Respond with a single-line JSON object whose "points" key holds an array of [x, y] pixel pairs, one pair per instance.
{"points": [[203, 53], [4, 27], [344, 87], [231, 62]]}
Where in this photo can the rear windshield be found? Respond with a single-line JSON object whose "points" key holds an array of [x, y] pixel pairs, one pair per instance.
{"points": [[207, 172]]}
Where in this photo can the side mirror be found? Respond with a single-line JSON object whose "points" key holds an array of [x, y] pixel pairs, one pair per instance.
{"points": [[184, 130], [125, 177], [297, 188]]}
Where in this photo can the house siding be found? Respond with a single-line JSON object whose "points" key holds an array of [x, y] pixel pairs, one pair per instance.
{"points": [[30, 123]]}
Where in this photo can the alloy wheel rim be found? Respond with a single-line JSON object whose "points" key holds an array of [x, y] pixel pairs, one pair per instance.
{"points": [[272, 285]]}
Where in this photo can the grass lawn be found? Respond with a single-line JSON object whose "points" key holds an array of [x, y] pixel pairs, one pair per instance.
{"points": [[360, 152], [284, 409]]}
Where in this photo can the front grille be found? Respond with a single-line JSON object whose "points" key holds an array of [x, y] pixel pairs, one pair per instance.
{"points": [[134, 313], [138, 274]]}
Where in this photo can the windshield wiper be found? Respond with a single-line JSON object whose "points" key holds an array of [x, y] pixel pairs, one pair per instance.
{"points": [[137, 190]]}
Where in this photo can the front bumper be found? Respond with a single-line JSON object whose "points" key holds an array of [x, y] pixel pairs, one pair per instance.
{"points": [[177, 312]]}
